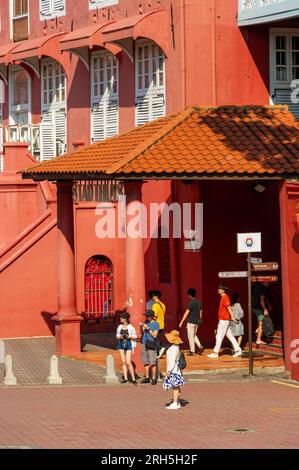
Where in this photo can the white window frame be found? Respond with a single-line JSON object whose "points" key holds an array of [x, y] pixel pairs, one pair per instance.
{"points": [[18, 108], [107, 97], [54, 103], [93, 4], [52, 13], [152, 90], [274, 83], [12, 17]]}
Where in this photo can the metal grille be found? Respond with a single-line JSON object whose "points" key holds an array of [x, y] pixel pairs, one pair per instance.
{"points": [[97, 191], [98, 288]]}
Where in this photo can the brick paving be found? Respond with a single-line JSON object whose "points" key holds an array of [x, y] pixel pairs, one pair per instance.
{"points": [[31, 364], [120, 416], [31, 361]]}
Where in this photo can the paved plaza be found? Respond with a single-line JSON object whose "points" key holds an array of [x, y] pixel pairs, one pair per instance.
{"points": [[221, 408], [262, 413]]}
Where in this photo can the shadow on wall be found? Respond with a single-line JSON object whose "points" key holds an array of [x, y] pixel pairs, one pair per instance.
{"points": [[98, 341], [295, 243], [48, 317]]}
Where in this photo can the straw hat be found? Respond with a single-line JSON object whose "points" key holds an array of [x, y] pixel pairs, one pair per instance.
{"points": [[173, 337]]}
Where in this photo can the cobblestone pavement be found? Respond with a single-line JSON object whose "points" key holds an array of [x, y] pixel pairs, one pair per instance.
{"points": [[241, 414], [31, 364]]}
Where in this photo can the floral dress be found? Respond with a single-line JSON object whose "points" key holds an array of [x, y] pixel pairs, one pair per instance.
{"points": [[176, 378], [237, 328]]}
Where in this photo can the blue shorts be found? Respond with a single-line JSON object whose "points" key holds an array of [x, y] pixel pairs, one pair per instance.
{"points": [[121, 346]]}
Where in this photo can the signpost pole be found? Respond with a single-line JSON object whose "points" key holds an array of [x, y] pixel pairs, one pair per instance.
{"points": [[250, 316]]}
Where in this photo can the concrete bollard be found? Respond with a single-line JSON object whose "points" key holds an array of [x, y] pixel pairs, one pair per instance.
{"points": [[110, 377], [54, 377], [9, 378], [2, 352]]}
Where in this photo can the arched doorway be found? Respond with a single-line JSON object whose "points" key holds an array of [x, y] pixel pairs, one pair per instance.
{"points": [[98, 288]]}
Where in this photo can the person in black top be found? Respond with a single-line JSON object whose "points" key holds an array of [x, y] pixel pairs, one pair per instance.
{"points": [[260, 306], [194, 316]]}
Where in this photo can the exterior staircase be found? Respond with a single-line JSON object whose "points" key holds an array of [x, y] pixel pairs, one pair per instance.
{"points": [[274, 346]]}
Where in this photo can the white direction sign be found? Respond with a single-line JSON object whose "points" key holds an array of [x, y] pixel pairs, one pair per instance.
{"points": [[231, 274], [249, 242]]}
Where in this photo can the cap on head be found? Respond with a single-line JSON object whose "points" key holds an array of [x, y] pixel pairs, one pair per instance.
{"points": [[150, 313], [125, 315], [221, 286]]}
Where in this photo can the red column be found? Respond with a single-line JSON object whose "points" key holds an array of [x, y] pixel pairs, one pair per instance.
{"points": [[289, 200], [135, 274], [67, 329]]}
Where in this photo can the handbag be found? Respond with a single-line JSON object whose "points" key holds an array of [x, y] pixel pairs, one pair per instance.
{"points": [[151, 344], [182, 363]]}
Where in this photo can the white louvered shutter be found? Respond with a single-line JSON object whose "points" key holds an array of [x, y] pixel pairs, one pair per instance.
{"points": [[111, 118], [60, 131], [157, 106], [283, 96], [58, 6], [45, 7], [47, 136], [98, 122], [142, 110]]}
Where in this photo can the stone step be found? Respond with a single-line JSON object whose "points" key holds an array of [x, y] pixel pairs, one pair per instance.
{"points": [[268, 348], [276, 341]]}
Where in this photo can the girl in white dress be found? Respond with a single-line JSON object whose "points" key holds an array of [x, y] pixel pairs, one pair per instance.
{"points": [[237, 328], [174, 377]]}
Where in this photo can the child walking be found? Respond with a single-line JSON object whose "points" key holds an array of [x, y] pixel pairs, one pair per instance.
{"points": [[174, 377]]}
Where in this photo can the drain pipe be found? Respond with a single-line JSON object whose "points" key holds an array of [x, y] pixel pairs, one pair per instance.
{"points": [[183, 51], [214, 78]]}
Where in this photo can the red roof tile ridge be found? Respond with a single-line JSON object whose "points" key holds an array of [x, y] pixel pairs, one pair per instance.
{"points": [[174, 120]]}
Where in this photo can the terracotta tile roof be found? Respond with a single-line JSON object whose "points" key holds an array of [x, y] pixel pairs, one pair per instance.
{"points": [[227, 140]]}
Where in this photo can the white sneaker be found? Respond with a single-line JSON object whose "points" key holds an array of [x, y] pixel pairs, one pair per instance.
{"points": [[237, 353], [260, 342], [213, 355], [173, 406]]}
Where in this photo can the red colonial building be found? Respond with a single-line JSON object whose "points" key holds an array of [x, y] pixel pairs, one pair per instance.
{"points": [[75, 73]]}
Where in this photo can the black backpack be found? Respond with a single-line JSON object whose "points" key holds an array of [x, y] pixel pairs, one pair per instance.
{"points": [[182, 364], [268, 327]]}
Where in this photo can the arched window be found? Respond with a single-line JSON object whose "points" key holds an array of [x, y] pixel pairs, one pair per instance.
{"points": [[98, 288], [20, 88]]}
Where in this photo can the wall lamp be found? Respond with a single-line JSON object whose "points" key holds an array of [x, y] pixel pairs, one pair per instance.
{"points": [[259, 188]]}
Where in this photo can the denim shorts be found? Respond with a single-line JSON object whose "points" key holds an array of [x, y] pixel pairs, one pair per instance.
{"points": [[121, 346]]}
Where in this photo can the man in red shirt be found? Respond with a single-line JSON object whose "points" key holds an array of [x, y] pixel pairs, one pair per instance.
{"points": [[225, 315]]}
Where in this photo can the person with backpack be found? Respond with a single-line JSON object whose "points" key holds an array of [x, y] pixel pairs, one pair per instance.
{"points": [[175, 362], [160, 309]]}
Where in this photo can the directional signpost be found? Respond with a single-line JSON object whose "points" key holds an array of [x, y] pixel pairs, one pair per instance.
{"points": [[232, 274], [251, 243]]}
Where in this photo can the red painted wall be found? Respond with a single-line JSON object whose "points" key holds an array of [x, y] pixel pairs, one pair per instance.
{"points": [[87, 244], [210, 61], [28, 291], [289, 203]]}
